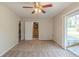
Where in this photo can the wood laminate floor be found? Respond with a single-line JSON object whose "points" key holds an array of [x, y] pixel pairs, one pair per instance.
{"points": [[38, 48]]}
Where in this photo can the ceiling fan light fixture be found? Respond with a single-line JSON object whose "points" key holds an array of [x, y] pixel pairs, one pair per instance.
{"points": [[37, 10]]}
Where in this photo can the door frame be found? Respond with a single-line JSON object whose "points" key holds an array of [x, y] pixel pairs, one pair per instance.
{"points": [[38, 28]]}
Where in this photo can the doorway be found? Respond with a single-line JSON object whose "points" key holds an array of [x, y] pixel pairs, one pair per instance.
{"points": [[19, 31], [35, 30], [72, 32]]}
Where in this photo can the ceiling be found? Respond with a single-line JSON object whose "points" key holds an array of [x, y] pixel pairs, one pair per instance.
{"points": [[27, 13]]}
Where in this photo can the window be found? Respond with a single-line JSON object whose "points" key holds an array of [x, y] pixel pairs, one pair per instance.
{"points": [[73, 21]]}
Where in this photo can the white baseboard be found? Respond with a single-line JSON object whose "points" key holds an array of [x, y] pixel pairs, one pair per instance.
{"points": [[45, 39], [59, 44]]}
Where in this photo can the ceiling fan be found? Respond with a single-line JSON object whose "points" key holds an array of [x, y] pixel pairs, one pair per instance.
{"points": [[38, 7]]}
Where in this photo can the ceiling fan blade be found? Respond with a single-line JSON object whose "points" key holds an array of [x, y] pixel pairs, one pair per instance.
{"points": [[27, 7], [33, 12], [43, 11], [48, 5], [36, 4], [39, 3]]}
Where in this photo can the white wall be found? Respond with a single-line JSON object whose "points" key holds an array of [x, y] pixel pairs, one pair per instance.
{"points": [[22, 30], [8, 29], [59, 26], [45, 29]]}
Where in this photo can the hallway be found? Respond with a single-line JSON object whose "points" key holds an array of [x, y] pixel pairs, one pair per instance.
{"points": [[38, 48]]}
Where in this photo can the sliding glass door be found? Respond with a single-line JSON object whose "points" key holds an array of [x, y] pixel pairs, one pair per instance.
{"points": [[72, 32]]}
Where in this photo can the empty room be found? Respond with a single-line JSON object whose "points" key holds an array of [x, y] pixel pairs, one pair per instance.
{"points": [[39, 29]]}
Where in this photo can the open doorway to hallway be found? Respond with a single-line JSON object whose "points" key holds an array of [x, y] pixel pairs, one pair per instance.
{"points": [[72, 32], [35, 30], [19, 25]]}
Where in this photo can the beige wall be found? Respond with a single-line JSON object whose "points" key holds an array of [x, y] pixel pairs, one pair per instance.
{"points": [[59, 22], [45, 29], [8, 29]]}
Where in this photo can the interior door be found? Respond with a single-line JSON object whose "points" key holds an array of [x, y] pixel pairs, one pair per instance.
{"points": [[28, 30]]}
